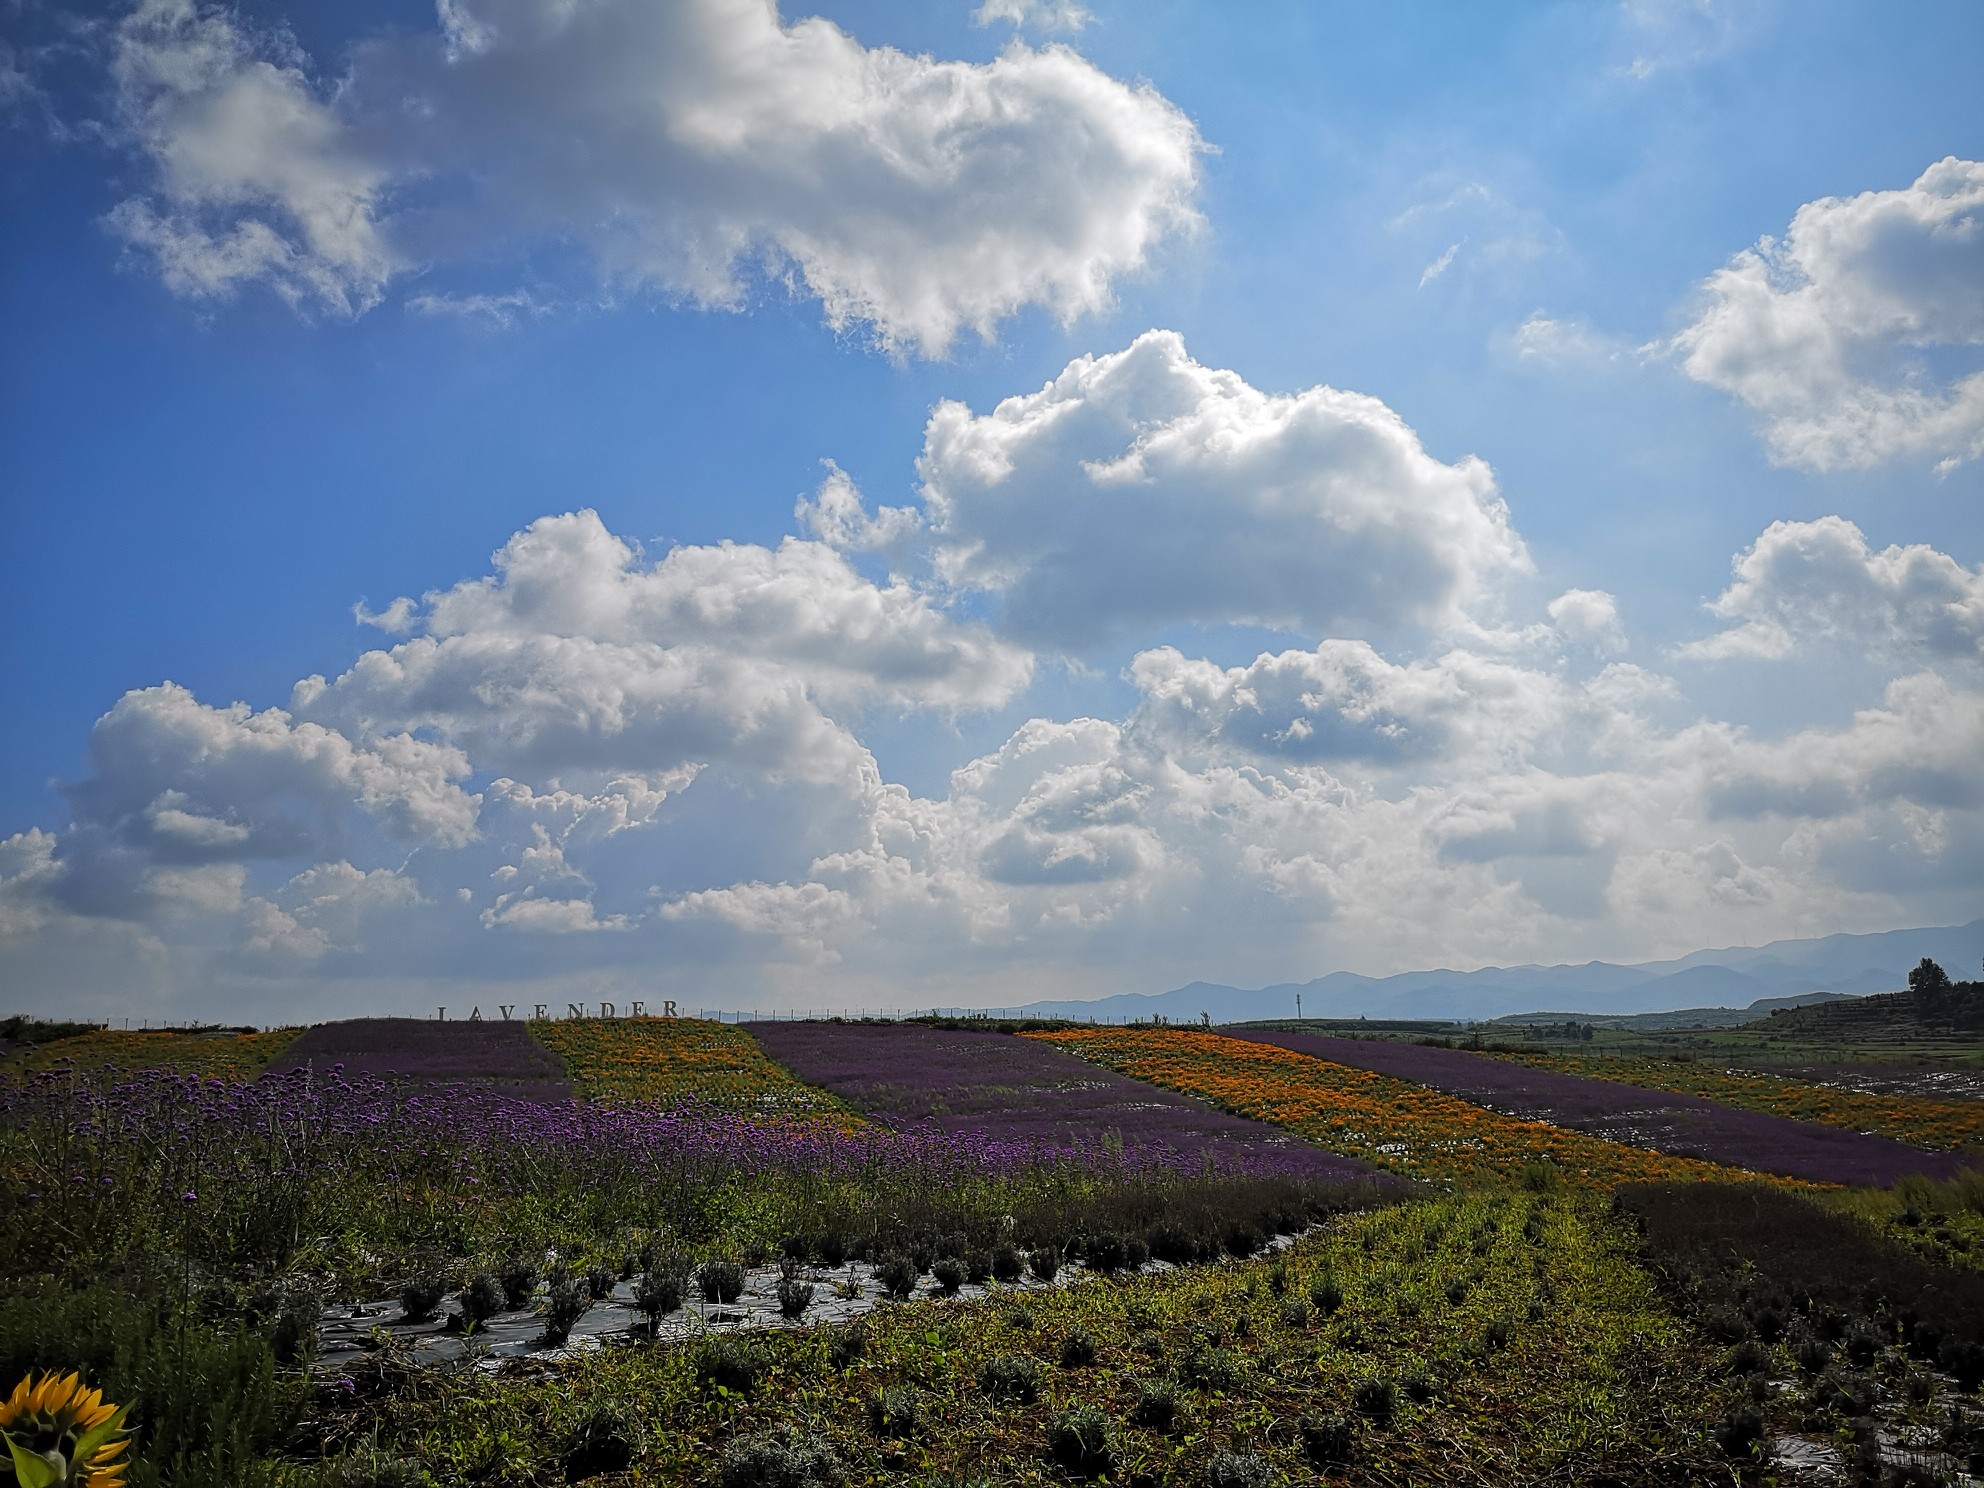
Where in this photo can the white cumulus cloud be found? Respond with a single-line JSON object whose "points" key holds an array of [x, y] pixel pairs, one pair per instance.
{"points": [[1839, 336], [1141, 488], [1806, 581], [693, 148]]}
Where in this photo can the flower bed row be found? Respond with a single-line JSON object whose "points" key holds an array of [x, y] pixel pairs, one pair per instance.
{"points": [[226, 1056], [1493, 1339], [1677, 1125], [1389, 1122], [496, 1056], [1921, 1120], [1017, 1089], [665, 1061]]}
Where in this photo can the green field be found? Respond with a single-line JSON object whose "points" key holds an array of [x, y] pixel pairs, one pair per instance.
{"points": [[1528, 1305]]}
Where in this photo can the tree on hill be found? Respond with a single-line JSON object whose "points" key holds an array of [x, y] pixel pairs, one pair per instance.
{"points": [[1937, 999]]}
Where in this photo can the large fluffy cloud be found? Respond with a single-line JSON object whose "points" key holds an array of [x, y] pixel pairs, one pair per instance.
{"points": [[1142, 489], [592, 684], [1827, 333], [1805, 581], [683, 146], [575, 656], [590, 767]]}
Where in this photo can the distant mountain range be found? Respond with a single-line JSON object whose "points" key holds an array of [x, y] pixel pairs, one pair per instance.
{"points": [[1727, 979]]}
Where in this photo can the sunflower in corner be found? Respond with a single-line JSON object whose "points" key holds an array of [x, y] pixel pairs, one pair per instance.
{"points": [[60, 1434]]}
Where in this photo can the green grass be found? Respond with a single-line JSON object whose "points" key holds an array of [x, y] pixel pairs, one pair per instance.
{"points": [[1550, 1360]]}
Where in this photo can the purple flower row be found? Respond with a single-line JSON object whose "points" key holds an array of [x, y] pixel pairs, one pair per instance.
{"points": [[993, 1087], [1683, 1125], [321, 1123], [498, 1053]]}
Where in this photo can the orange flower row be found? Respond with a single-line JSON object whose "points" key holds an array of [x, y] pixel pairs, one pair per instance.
{"points": [[224, 1056], [1390, 1123], [1921, 1120], [661, 1061]]}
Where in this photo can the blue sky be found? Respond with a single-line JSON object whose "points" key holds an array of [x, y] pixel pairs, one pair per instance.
{"points": [[1356, 620]]}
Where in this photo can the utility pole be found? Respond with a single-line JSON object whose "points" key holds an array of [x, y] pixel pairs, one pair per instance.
{"points": [[1298, 1007]]}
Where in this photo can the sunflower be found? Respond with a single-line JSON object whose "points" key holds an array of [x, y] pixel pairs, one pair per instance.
{"points": [[61, 1435]]}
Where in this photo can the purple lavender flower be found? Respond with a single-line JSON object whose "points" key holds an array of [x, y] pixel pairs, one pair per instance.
{"points": [[1006, 1090]]}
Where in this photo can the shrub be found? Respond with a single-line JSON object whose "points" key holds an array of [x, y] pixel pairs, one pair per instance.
{"points": [[1375, 1397], [661, 1290], [794, 1296], [1045, 1262], [1007, 1263], [1006, 1377], [569, 1301], [1105, 1253], [1456, 1291], [1741, 1432], [1080, 1441], [1496, 1336], [1418, 1387], [1295, 1313], [1540, 1177], [1169, 1242], [600, 1281], [1156, 1407], [1711, 1240], [418, 1299], [1020, 1319], [368, 1467], [293, 1330], [607, 1439], [1209, 1367], [897, 1273], [778, 1459], [1861, 1346], [720, 1281], [832, 1248], [481, 1299], [1749, 1357], [1849, 1394], [729, 1364], [1325, 1295], [519, 1279], [1329, 1438], [1243, 1240], [1237, 1470], [1136, 1254], [949, 1274], [1964, 1362], [1812, 1352], [1278, 1278], [1077, 1350], [896, 1412], [847, 1346], [1725, 1325]]}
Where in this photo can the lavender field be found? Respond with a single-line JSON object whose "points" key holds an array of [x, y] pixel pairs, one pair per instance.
{"points": [[1024, 1092], [498, 1056], [1685, 1125], [395, 1269]]}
